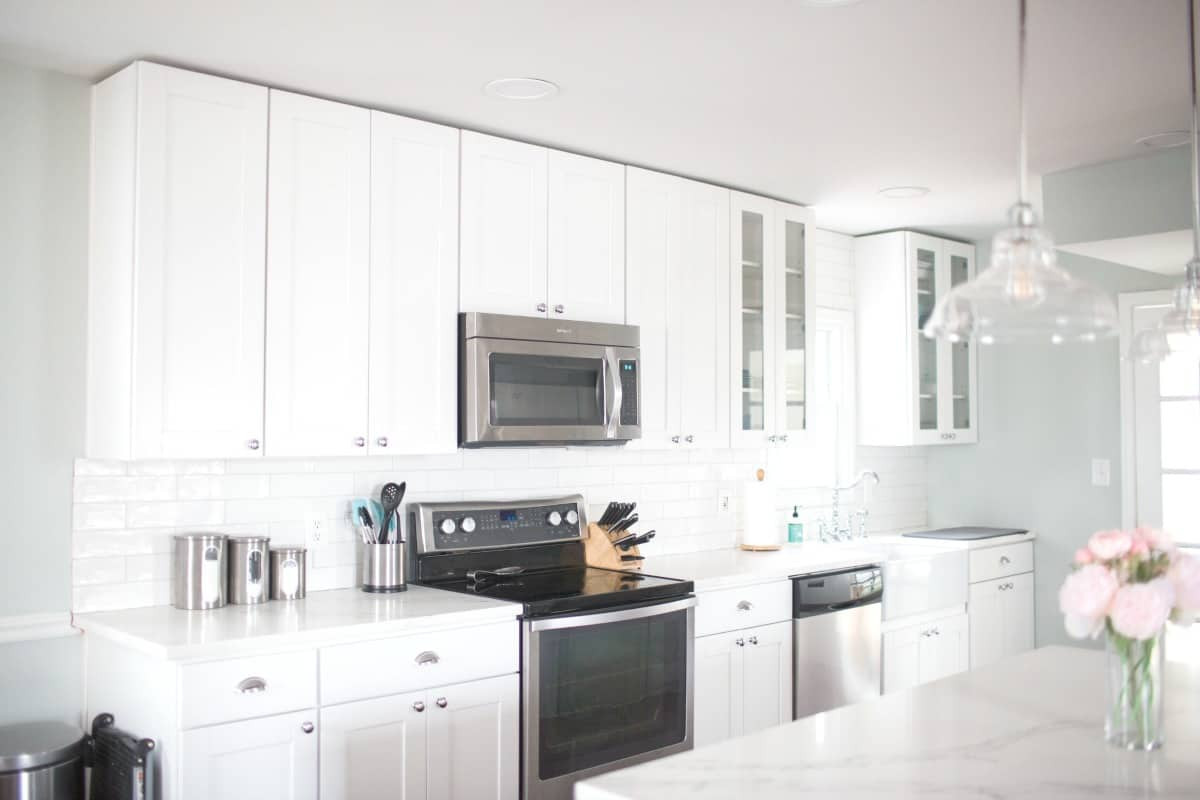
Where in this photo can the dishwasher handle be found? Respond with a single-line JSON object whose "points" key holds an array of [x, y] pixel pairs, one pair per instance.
{"points": [[830, 592]]}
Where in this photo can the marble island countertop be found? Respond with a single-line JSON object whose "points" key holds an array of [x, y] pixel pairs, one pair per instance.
{"points": [[1027, 727], [332, 616]]}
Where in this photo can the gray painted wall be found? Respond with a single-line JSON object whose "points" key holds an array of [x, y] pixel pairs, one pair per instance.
{"points": [[1115, 199], [1044, 413], [44, 119]]}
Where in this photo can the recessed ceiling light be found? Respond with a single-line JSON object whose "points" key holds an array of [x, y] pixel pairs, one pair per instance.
{"points": [[904, 192], [521, 88], [1160, 141]]}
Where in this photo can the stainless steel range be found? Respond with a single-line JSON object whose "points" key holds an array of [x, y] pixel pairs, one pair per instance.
{"points": [[606, 656]]}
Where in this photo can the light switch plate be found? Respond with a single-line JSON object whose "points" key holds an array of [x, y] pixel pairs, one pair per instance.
{"points": [[1101, 472]]}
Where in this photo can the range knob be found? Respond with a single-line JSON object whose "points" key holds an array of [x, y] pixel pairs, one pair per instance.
{"points": [[554, 518], [572, 517], [447, 526], [468, 524]]}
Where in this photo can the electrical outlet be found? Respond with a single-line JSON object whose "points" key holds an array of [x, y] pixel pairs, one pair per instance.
{"points": [[724, 502], [1101, 472], [314, 532]]}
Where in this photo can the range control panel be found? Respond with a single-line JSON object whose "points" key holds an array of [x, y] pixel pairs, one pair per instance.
{"points": [[447, 527]]}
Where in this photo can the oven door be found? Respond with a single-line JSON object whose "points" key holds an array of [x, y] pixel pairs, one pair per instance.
{"points": [[604, 690], [522, 392]]}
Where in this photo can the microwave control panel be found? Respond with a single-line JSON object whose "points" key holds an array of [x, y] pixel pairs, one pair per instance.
{"points": [[629, 391]]}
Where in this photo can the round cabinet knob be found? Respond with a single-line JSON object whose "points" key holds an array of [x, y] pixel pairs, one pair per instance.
{"points": [[554, 518], [572, 517], [447, 526], [541, 307], [560, 309], [307, 727], [441, 702], [360, 442], [381, 441], [753, 640], [252, 444], [740, 642], [418, 706], [674, 440], [772, 438], [689, 438], [783, 437], [468, 524]]}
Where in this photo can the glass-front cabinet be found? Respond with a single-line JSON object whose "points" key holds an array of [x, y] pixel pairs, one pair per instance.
{"points": [[911, 389], [772, 293]]}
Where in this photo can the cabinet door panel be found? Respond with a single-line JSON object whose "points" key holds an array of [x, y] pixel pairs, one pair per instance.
{"points": [[985, 606], [317, 277], [654, 229], [902, 659], [270, 758], [944, 648], [793, 321], [959, 384], [766, 677], [927, 278], [374, 748], [718, 703], [474, 730], [201, 249], [752, 232], [1018, 614], [414, 286], [586, 238], [503, 219], [700, 319]]}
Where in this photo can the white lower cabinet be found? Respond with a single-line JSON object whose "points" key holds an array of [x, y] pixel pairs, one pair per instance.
{"points": [[743, 681], [270, 758], [452, 742], [1002, 618], [924, 652]]}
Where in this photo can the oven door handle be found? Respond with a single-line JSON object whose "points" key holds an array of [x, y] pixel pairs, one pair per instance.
{"points": [[613, 390], [606, 617]]}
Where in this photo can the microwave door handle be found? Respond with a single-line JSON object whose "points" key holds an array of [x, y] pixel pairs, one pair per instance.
{"points": [[613, 392]]}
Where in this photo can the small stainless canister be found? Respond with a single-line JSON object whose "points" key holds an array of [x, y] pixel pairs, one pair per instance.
{"points": [[288, 575], [200, 570], [383, 567], [249, 570]]}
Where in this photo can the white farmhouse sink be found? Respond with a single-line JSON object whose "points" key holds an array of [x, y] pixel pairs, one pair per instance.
{"points": [[919, 577]]}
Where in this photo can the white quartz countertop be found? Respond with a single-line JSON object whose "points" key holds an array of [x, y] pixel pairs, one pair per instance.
{"points": [[334, 616], [720, 569], [1028, 727]]}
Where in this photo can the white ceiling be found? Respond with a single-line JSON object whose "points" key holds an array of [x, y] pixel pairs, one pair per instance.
{"points": [[821, 106], [1166, 253]]}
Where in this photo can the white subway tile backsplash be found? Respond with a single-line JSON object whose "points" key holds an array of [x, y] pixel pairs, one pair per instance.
{"points": [[185, 513], [114, 489], [156, 567], [316, 485], [88, 571], [217, 487], [98, 516]]}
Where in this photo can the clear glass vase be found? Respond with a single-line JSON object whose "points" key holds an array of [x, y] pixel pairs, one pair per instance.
{"points": [[1135, 692]]}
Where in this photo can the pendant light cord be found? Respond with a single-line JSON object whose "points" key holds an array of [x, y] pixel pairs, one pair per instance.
{"points": [[1195, 136], [1021, 156]]}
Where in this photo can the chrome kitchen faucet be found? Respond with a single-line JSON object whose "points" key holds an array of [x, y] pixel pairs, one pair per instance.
{"points": [[835, 530]]}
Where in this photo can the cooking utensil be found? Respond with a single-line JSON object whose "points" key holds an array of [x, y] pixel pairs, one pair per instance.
{"points": [[640, 540], [489, 574], [633, 558], [624, 539], [389, 497], [368, 524], [624, 524], [606, 517]]}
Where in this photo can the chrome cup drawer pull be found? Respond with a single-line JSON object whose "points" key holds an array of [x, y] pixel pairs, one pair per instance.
{"points": [[745, 605], [426, 658], [252, 685]]}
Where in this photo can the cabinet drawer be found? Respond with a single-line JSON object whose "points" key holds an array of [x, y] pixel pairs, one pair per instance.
{"points": [[241, 688], [996, 562], [744, 607], [420, 661]]}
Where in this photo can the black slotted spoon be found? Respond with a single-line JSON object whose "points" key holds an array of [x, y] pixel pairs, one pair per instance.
{"points": [[390, 497]]}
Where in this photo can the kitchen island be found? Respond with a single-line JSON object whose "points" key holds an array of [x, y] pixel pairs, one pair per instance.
{"points": [[1028, 727]]}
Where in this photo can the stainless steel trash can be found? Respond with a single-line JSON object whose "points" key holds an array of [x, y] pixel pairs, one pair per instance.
{"points": [[41, 761]]}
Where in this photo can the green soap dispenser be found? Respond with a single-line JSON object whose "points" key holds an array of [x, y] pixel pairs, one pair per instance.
{"points": [[795, 527]]}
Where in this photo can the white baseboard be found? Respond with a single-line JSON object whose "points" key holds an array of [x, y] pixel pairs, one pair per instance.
{"points": [[32, 627]]}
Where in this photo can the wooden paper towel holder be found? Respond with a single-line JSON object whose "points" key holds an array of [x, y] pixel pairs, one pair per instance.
{"points": [[761, 475]]}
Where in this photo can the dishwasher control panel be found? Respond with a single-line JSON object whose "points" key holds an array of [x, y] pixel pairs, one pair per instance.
{"points": [[823, 592]]}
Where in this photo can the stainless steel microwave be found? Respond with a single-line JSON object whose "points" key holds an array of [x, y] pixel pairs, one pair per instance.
{"points": [[524, 381]]}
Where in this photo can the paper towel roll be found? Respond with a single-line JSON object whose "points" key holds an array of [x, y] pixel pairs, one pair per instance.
{"points": [[760, 529]]}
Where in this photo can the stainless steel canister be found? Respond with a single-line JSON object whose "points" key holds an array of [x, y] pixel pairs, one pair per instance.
{"points": [[288, 573], [200, 570], [383, 567], [249, 570]]}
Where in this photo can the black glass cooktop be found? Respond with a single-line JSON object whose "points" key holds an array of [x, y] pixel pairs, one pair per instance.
{"points": [[574, 588]]}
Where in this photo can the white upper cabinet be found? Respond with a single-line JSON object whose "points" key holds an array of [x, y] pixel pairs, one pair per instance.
{"points": [[772, 313], [677, 292], [176, 274], [504, 190], [912, 390], [414, 286], [317, 277], [542, 231], [586, 238]]}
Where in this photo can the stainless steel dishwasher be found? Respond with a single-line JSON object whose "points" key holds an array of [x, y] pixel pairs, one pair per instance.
{"points": [[836, 644]]}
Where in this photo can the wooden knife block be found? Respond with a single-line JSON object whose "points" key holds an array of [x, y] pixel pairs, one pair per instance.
{"points": [[600, 552]]}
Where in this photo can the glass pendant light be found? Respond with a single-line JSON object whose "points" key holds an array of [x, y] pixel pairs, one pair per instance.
{"points": [[1023, 294]]}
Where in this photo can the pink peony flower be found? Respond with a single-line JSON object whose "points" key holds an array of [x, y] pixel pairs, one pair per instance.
{"points": [[1139, 610], [1107, 545], [1140, 547], [1185, 575], [1083, 557], [1085, 597], [1158, 540]]}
